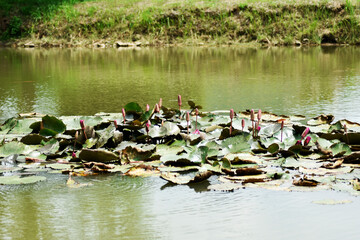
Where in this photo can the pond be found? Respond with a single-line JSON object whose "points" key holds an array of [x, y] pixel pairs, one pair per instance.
{"points": [[307, 81]]}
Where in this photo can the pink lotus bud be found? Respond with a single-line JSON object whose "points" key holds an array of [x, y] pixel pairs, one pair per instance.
{"points": [[258, 128], [82, 124], [147, 107], [187, 116], [123, 114], [73, 155], [160, 102], [115, 123], [231, 114], [345, 128], [147, 126], [282, 125], [259, 115], [243, 124], [252, 115], [179, 100], [305, 132], [196, 111], [298, 142], [307, 140], [157, 108], [76, 135]]}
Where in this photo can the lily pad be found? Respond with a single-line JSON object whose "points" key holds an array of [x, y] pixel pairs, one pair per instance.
{"points": [[98, 155], [12, 180]]}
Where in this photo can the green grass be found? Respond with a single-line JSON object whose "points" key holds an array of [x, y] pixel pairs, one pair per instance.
{"points": [[179, 21]]}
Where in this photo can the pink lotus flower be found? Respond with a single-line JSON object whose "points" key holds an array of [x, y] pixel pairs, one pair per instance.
{"points": [[157, 108], [298, 142], [252, 115], [123, 114], [147, 107], [147, 126], [305, 132], [82, 124], [259, 115], [231, 114], [307, 140], [196, 131], [73, 155]]}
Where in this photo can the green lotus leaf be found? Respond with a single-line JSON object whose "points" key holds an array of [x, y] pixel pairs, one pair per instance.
{"points": [[33, 139], [236, 144], [322, 119], [338, 148], [105, 135], [15, 148], [273, 148], [139, 152], [22, 126], [11, 180], [133, 107], [98, 155], [52, 126], [167, 129], [4, 169], [162, 149]]}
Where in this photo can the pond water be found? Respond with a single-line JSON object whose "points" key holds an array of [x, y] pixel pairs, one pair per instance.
{"points": [[307, 81]]}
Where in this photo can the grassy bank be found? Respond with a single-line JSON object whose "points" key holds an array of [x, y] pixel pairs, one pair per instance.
{"points": [[190, 22]]}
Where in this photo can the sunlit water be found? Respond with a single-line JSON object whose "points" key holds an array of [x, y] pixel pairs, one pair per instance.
{"points": [[83, 82]]}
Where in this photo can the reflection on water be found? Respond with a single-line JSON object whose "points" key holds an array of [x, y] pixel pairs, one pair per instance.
{"points": [[119, 207], [82, 82], [306, 81]]}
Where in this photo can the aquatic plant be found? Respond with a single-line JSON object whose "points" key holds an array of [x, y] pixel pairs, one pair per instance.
{"points": [[123, 114], [231, 119], [262, 158], [82, 124]]}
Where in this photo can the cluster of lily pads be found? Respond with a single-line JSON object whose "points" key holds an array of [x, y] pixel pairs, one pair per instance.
{"points": [[243, 149]]}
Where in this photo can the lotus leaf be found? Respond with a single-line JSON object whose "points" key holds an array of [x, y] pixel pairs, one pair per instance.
{"points": [[97, 155], [11, 148], [11, 180]]}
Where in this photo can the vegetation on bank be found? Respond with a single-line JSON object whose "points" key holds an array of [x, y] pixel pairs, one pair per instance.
{"points": [[160, 22]]}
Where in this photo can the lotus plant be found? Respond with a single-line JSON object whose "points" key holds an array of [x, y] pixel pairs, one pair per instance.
{"points": [[196, 129], [231, 120], [252, 118], [147, 128], [346, 133], [188, 121], [82, 124], [305, 132], [157, 108], [179, 102], [115, 123], [243, 124], [123, 114], [259, 115], [282, 130], [307, 140]]}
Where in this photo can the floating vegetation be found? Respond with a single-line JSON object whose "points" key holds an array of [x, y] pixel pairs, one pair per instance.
{"points": [[230, 150]]}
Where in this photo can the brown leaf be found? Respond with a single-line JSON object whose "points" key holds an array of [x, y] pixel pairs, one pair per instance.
{"points": [[334, 165], [305, 182], [248, 171]]}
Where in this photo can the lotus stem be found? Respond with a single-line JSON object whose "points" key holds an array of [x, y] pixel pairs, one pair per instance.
{"points": [[82, 124], [123, 114], [76, 137], [346, 133], [231, 119], [196, 114], [147, 128], [252, 118], [188, 121], [256, 129], [282, 130], [160, 102], [259, 115]]}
